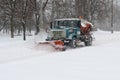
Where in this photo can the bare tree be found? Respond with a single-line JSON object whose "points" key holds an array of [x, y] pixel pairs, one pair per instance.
{"points": [[37, 17], [25, 14], [112, 16], [12, 9]]}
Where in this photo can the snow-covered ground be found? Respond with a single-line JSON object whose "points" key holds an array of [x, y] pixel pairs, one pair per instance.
{"points": [[25, 60]]}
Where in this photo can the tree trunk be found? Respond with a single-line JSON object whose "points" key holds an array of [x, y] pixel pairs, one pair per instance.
{"points": [[24, 31], [12, 28], [3, 25], [37, 24], [112, 17], [19, 30], [37, 16], [41, 14]]}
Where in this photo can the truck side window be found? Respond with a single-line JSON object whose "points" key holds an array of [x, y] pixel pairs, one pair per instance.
{"points": [[79, 24]]}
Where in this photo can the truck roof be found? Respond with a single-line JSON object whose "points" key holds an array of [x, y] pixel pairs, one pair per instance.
{"points": [[67, 19]]}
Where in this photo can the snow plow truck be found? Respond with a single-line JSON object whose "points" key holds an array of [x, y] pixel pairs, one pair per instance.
{"points": [[69, 32]]}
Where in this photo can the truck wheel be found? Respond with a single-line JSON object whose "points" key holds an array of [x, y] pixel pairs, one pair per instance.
{"points": [[73, 43], [88, 42], [64, 49]]}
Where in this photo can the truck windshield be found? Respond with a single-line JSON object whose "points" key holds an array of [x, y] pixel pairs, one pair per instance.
{"points": [[67, 23]]}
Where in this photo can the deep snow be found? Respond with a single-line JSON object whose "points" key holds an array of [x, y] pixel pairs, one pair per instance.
{"points": [[26, 60]]}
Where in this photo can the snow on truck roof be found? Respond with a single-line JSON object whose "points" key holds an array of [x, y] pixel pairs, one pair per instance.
{"points": [[67, 19]]}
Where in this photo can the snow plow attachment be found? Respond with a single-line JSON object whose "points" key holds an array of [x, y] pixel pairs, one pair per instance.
{"points": [[57, 44]]}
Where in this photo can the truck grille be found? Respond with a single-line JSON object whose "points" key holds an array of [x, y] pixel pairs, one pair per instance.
{"points": [[57, 34]]}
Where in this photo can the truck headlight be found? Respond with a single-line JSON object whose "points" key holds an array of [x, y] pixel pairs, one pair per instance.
{"points": [[71, 30]]}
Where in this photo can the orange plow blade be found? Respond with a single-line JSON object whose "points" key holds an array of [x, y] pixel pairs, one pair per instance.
{"points": [[57, 44]]}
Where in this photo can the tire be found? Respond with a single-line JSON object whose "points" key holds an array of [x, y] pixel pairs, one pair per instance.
{"points": [[88, 42], [73, 43], [64, 49]]}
